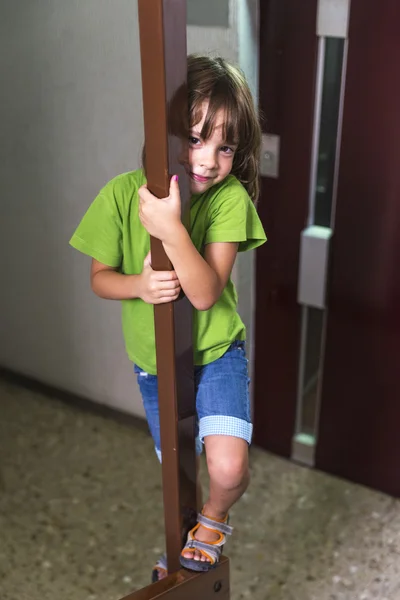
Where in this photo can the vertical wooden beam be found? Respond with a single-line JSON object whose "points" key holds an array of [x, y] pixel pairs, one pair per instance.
{"points": [[164, 73]]}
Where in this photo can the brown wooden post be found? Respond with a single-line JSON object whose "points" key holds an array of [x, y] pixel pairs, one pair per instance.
{"points": [[164, 72]]}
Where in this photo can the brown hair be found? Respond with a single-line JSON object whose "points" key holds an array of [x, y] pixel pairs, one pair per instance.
{"points": [[225, 87]]}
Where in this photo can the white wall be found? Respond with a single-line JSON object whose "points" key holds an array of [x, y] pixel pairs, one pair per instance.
{"points": [[247, 15], [71, 120]]}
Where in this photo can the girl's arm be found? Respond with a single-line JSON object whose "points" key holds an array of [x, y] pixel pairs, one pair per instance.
{"points": [[202, 279], [153, 287]]}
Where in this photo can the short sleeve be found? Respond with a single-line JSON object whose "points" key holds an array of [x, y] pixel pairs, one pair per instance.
{"points": [[99, 234], [233, 218]]}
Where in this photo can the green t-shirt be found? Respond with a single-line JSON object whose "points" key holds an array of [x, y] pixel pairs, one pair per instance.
{"points": [[111, 232]]}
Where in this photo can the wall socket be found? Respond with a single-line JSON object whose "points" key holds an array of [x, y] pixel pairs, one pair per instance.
{"points": [[208, 13], [270, 149]]}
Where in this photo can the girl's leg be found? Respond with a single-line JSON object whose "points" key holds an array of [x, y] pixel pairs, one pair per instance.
{"points": [[227, 461], [228, 468], [223, 407], [199, 487]]}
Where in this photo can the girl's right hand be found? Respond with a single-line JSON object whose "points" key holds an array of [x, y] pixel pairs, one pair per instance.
{"points": [[158, 287]]}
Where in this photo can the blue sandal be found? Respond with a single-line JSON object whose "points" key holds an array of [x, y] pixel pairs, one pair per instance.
{"points": [[161, 565], [210, 550]]}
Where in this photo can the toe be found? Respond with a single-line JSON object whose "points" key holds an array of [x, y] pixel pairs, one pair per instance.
{"points": [[195, 555], [161, 574]]}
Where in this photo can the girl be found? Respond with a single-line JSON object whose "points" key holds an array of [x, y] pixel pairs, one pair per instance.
{"points": [[222, 165]]}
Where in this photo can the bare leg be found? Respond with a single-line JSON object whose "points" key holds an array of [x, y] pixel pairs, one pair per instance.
{"points": [[227, 461], [199, 488]]}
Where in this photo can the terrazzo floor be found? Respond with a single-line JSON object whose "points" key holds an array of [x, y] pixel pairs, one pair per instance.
{"points": [[81, 516]]}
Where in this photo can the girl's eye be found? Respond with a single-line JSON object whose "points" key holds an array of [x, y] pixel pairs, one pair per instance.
{"points": [[194, 140], [227, 150]]}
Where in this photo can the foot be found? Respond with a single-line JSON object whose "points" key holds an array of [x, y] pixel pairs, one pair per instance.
{"points": [[161, 574], [205, 543], [160, 569], [202, 535]]}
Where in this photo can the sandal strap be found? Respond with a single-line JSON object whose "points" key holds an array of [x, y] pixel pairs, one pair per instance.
{"points": [[212, 551], [215, 525], [162, 563]]}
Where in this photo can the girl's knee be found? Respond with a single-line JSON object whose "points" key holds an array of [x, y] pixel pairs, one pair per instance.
{"points": [[228, 464], [230, 473]]}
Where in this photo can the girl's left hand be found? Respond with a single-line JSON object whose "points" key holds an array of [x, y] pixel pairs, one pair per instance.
{"points": [[161, 217]]}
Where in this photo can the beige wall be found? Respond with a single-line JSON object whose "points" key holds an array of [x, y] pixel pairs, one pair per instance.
{"points": [[71, 120]]}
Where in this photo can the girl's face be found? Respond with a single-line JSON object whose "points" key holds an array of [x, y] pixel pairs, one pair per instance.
{"points": [[210, 161]]}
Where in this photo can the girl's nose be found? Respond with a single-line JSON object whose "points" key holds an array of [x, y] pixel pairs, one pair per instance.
{"points": [[208, 160]]}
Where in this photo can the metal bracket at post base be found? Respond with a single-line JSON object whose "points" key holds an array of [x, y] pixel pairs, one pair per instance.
{"points": [[182, 585]]}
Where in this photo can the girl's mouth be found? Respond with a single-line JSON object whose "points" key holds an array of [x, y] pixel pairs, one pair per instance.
{"points": [[199, 178]]}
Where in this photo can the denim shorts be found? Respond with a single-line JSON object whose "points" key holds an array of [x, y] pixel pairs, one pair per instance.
{"points": [[222, 398]]}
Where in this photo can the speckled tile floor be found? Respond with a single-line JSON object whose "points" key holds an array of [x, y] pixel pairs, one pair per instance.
{"points": [[81, 516]]}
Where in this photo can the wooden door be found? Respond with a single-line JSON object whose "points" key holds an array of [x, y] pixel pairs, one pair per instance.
{"points": [[357, 353], [359, 430]]}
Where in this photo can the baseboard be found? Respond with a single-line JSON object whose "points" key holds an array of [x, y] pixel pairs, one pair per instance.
{"points": [[79, 402]]}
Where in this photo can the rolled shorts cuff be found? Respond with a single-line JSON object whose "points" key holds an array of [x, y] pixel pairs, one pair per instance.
{"points": [[199, 449], [222, 425]]}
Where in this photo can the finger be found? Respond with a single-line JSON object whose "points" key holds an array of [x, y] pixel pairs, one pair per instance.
{"points": [[145, 194], [147, 260], [169, 293], [174, 185], [168, 285], [165, 275], [174, 191], [165, 299]]}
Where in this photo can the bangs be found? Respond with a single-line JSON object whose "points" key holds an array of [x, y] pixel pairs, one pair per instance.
{"points": [[224, 88], [219, 100]]}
